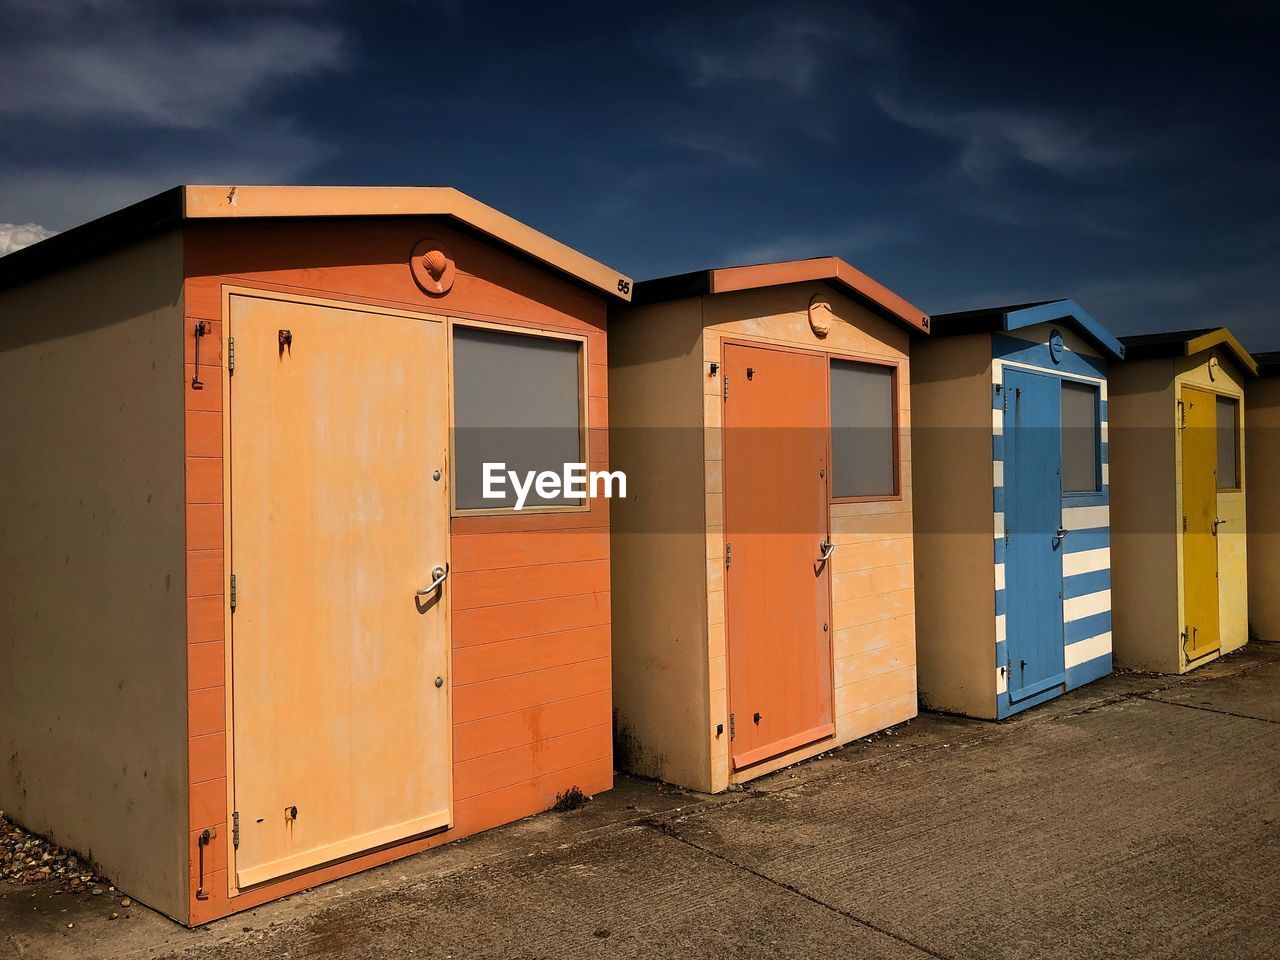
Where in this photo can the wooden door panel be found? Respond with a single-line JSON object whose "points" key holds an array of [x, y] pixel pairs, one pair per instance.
{"points": [[1033, 514], [776, 515], [1199, 509], [336, 431]]}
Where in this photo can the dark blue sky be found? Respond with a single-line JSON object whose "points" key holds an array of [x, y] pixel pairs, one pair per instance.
{"points": [[963, 154]]}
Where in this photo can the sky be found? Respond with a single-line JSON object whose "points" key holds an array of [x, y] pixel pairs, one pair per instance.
{"points": [[965, 155]]}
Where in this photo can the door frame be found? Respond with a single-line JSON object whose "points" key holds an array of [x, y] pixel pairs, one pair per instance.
{"points": [[228, 291], [738, 340], [1058, 679], [1181, 386]]}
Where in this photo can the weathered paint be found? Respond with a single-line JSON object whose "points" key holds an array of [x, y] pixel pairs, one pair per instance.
{"points": [[530, 651], [989, 403], [673, 696], [334, 527], [777, 600]]}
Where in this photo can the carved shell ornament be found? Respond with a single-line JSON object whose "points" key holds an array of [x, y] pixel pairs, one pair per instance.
{"points": [[433, 269], [820, 316]]}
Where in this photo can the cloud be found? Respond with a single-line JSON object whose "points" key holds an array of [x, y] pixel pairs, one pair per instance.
{"points": [[65, 195], [868, 235], [725, 150], [15, 236], [156, 94], [154, 76], [790, 54], [993, 138]]}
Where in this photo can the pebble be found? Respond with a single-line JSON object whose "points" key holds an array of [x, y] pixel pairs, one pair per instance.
{"points": [[28, 859]]}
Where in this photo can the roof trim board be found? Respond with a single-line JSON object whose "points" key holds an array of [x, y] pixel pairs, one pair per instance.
{"points": [[1187, 343], [190, 203], [1023, 315], [831, 270]]}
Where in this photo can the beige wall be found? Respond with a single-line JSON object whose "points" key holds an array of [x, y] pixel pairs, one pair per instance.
{"points": [[1145, 608], [660, 687], [92, 611], [951, 401], [1262, 427]]}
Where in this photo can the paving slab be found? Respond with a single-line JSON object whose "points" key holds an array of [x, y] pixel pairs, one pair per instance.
{"points": [[636, 893], [1253, 692], [1137, 816], [1135, 829]]}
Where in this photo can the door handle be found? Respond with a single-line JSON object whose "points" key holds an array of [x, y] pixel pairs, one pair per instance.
{"points": [[1060, 536], [1217, 523], [827, 548], [438, 576]]}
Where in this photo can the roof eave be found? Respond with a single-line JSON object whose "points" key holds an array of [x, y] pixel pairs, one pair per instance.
{"points": [[1059, 310], [830, 270], [208, 203]]}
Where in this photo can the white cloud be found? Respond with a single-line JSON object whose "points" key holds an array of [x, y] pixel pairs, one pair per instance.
{"points": [[790, 53], [993, 138], [63, 195], [156, 94], [159, 77], [846, 242], [15, 236]]}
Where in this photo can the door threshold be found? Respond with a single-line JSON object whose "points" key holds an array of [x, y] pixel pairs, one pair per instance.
{"points": [[776, 749], [1057, 680]]}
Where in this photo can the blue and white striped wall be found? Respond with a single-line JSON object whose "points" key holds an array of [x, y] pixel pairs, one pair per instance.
{"points": [[1086, 561]]}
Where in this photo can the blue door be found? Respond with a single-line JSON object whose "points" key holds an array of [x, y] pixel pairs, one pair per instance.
{"points": [[1033, 551]]}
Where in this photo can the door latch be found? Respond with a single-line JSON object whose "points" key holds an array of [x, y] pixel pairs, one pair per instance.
{"points": [[202, 329]]}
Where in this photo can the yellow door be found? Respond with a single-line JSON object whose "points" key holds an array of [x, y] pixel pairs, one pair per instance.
{"points": [[340, 701], [1199, 510]]}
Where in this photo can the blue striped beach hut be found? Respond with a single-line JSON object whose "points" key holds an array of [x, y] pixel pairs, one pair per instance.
{"points": [[1012, 515]]}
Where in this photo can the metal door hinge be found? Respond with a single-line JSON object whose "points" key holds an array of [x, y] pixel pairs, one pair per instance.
{"points": [[231, 356], [1182, 415], [1184, 523], [1006, 533], [233, 593], [235, 830], [728, 555], [732, 728], [726, 386]]}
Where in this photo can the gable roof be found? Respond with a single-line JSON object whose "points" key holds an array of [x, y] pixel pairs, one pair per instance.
{"points": [[831, 270], [186, 204], [1268, 363], [1016, 316], [1187, 343]]}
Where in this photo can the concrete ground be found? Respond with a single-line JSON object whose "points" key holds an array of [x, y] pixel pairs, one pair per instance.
{"points": [[1139, 816]]}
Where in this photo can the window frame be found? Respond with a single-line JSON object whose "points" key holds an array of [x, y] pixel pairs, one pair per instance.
{"points": [[584, 432], [895, 368], [1238, 402], [1098, 488]]}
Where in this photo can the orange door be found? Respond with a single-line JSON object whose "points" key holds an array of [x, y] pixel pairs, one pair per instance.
{"points": [[777, 589], [340, 703]]}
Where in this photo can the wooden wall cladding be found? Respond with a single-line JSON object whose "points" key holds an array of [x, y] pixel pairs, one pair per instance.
{"points": [[531, 603]]}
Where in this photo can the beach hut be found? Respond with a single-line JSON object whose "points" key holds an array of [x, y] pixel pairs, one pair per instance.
{"points": [[1262, 426], [762, 560], [1012, 563], [1178, 499], [262, 627]]}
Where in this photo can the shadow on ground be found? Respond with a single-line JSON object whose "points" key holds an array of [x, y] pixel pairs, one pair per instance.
{"points": [[1135, 817]]}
